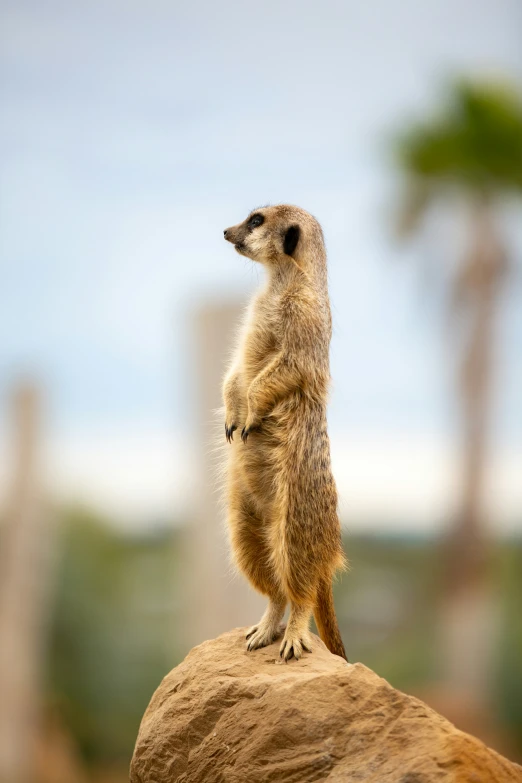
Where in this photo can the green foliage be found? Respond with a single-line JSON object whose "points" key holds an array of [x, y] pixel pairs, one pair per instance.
{"points": [[509, 664], [112, 632], [118, 609], [388, 611], [474, 145], [386, 606]]}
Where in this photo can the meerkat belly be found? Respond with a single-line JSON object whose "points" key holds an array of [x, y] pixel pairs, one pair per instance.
{"points": [[261, 458], [257, 462]]}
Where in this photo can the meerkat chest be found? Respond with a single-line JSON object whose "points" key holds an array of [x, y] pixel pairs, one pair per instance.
{"points": [[261, 337]]}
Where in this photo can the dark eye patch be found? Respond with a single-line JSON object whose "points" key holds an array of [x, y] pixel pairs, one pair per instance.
{"points": [[255, 221]]}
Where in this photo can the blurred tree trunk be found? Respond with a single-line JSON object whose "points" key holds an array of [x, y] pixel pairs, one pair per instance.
{"points": [[469, 612], [24, 582]]}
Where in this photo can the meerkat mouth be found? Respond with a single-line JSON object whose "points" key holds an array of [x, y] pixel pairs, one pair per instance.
{"points": [[239, 247]]}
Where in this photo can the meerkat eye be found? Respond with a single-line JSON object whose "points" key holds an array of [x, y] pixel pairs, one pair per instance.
{"points": [[255, 221]]}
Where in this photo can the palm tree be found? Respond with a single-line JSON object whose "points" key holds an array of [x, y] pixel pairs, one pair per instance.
{"points": [[470, 156]]}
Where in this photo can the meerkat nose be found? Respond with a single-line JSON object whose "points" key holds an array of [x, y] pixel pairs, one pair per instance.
{"points": [[225, 233]]}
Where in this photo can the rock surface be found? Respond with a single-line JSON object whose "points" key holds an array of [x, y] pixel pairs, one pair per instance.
{"points": [[225, 715]]}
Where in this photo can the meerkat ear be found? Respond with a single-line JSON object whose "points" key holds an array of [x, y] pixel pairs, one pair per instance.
{"points": [[291, 239]]}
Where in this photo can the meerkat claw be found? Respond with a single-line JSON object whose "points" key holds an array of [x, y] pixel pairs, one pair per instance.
{"points": [[293, 648], [262, 635], [229, 432], [245, 432]]}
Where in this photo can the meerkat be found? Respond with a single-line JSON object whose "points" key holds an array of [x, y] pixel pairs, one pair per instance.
{"points": [[282, 500]]}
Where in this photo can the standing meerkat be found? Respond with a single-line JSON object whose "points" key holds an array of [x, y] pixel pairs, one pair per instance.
{"points": [[282, 499]]}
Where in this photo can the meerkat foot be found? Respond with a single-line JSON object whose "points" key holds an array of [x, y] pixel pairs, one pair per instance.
{"points": [[297, 636], [293, 646], [262, 635], [268, 629]]}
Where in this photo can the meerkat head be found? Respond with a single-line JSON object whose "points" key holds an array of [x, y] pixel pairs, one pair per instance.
{"points": [[276, 235]]}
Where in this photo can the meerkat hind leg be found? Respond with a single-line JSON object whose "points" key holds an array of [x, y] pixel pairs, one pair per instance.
{"points": [[297, 634], [269, 628]]}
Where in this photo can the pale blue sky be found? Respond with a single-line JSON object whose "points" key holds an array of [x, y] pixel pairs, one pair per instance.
{"points": [[132, 133]]}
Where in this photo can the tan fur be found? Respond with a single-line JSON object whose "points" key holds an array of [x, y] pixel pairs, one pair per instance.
{"points": [[282, 499]]}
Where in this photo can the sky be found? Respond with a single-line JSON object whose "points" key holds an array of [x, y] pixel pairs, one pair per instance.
{"points": [[132, 133]]}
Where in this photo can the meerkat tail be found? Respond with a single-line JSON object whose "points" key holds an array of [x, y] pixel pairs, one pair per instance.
{"points": [[326, 621]]}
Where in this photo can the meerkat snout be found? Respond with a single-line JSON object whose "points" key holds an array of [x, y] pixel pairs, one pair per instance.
{"points": [[235, 234]]}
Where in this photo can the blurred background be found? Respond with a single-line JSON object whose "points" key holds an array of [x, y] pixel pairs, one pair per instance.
{"points": [[132, 133]]}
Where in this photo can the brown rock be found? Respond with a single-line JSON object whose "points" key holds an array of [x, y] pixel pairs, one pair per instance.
{"points": [[228, 716]]}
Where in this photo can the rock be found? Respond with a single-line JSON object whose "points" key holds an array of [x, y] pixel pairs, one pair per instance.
{"points": [[228, 716]]}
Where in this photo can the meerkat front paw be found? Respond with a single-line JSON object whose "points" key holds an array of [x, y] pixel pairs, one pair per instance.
{"points": [[293, 645], [252, 423], [231, 422], [229, 431], [263, 634]]}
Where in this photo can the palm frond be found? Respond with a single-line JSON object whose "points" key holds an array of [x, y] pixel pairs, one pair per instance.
{"points": [[475, 143]]}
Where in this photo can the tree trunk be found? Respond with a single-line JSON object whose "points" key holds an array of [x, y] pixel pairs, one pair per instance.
{"points": [[468, 611], [25, 573]]}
